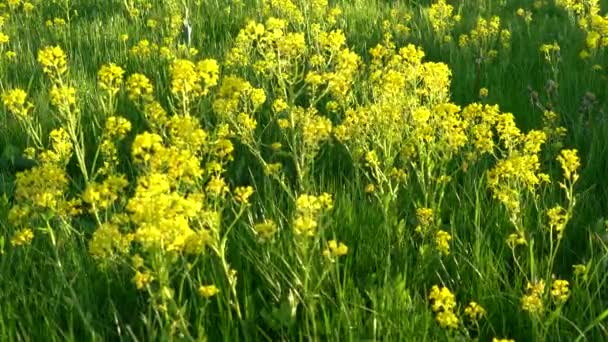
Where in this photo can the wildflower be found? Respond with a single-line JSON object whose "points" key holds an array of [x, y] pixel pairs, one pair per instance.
{"points": [[139, 87], [560, 291], [558, 218], [142, 279], [279, 105], [217, 186], [335, 249], [184, 78], [370, 188], [110, 78], [443, 304], [117, 127], [208, 291], [208, 71], [242, 194], [447, 319], [107, 241], [22, 237], [28, 7], [265, 230], [442, 299], [425, 219], [63, 97], [580, 271], [532, 301], [483, 92], [16, 102], [474, 311], [53, 61], [570, 164], [442, 241], [145, 145], [495, 339]]}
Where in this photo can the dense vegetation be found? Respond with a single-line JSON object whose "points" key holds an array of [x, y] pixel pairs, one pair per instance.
{"points": [[303, 170]]}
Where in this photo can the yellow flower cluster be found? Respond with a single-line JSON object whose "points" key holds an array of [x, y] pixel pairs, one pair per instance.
{"points": [[560, 291], [208, 291], [285, 9], [110, 77], [53, 61], [139, 88], [442, 18], [474, 311], [533, 300], [570, 163], [102, 195], [189, 80], [308, 212], [525, 14], [15, 100], [108, 242], [22, 237], [236, 103], [443, 303], [442, 241], [595, 26], [335, 249], [486, 37], [265, 230]]}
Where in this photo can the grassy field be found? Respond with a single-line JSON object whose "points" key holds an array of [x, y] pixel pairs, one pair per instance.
{"points": [[290, 170]]}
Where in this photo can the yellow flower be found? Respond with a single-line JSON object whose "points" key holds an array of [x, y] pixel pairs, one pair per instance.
{"points": [[4, 38], [63, 97], [217, 186], [533, 300], [447, 319], [335, 249], [139, 87], [580, 271], [370, 188], [570, 163], [558, 218], [502, 340], [208, 291], [442, 241], [22, 237], [265, 230], [560, 291], [279, 105], [474, 311], [53, 61], [483, 92], [117, 127], [110, 77], [242, 194], [107, 241], [141, 280], [15, 102]]}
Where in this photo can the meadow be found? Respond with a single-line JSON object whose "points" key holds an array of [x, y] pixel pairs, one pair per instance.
{"points": [[303, 170]]}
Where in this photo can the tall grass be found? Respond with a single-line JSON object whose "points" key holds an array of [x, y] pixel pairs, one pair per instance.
{"points": [[343, 213]]}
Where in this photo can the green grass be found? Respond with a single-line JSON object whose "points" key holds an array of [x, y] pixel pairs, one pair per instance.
{"points": [[53, 289]]}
